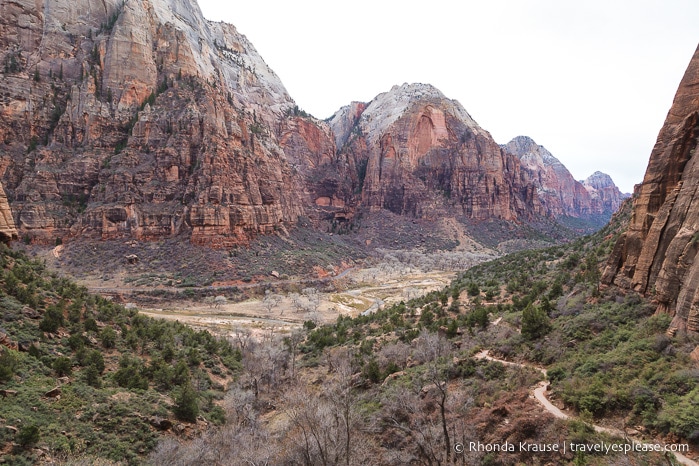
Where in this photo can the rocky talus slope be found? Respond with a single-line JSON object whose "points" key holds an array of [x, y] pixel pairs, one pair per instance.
{"points": [[657, 253]]}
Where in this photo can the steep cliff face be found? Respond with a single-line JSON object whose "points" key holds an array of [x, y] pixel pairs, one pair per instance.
{"points": [[8, 232], [604, 194], [415, 152], [657, 253], [558, 191], [141, 118]]}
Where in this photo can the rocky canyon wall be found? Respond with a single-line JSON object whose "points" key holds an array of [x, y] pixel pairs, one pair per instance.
{"points": [[657, 254], [142, 119], [8, 232], [420, 154]]}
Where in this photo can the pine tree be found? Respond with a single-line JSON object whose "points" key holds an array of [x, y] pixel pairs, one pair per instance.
{"points": [[535, 322], [186, 403]]}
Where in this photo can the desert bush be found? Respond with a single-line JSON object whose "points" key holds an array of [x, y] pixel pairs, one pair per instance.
{"points": [[9, 362], [62, 366]]}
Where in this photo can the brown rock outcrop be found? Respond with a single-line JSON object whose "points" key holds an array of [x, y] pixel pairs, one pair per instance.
{"points": [[8, 232], [657, 253]]}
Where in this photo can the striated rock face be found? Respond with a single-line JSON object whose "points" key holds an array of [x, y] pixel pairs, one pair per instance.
{"points": [[559, 193], [143, 119], [657, 253], [604, 194], [8, 232], [414, 152]]}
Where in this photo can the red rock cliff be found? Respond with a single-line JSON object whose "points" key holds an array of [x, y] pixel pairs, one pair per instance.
{"points": [[657, 253], [140, 119], [418, 153], [8, 232], [558, 191]]}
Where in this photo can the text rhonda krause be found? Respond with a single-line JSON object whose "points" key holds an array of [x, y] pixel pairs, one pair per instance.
{"points": [[603, 447]]}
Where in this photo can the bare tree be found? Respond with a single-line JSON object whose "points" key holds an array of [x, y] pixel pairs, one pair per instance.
{"points": [[241, 338], [271, 301], [436, 348], [343, 399], [220, 301], [296, 301], [313, 298], [292, 342], [209, 301]]}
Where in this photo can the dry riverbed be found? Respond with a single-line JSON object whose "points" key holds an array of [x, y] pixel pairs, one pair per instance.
{"points": [[279, 313]]}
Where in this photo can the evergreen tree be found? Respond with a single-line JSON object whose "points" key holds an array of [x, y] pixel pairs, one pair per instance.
{"points": [[186, 403], [535, 322]]}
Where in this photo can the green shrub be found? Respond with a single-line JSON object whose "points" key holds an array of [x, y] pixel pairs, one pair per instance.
{"points": [[130, 374], [62, 366], [8, 365], [535, 322], [186, 403], [108, 337], [52, 320], [91, 376], [371, 371], [28, 435]]}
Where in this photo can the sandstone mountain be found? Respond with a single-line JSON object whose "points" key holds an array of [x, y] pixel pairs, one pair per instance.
{"points": [[657, 253], [559, 192], [604, 194], [417, 153], [142, 119]]}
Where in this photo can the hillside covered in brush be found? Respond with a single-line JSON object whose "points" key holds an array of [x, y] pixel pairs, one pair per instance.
{"points": [[404, 385], [82, 377]]}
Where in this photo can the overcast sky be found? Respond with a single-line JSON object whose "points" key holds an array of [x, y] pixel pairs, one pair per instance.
{"points": [[592, 80]]}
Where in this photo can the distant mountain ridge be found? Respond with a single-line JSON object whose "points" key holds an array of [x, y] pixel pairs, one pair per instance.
{"points": [[558, 190], [142, 119]]}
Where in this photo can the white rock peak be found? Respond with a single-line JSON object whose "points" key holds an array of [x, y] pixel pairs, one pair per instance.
{"points": [[389, 106]]}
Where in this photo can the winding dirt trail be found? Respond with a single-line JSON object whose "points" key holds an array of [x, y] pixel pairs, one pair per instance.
{"points": [[540, 395]]}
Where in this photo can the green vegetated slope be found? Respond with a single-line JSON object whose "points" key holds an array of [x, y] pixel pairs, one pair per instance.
{"points": [[86, 378], [607, 354], [402, 386]]}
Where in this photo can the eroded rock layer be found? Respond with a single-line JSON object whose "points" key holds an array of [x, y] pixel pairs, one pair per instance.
{"points": [[605, 196], [8, 232], [558, 191], [142, 119], [657, 253], [415, 152]]}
